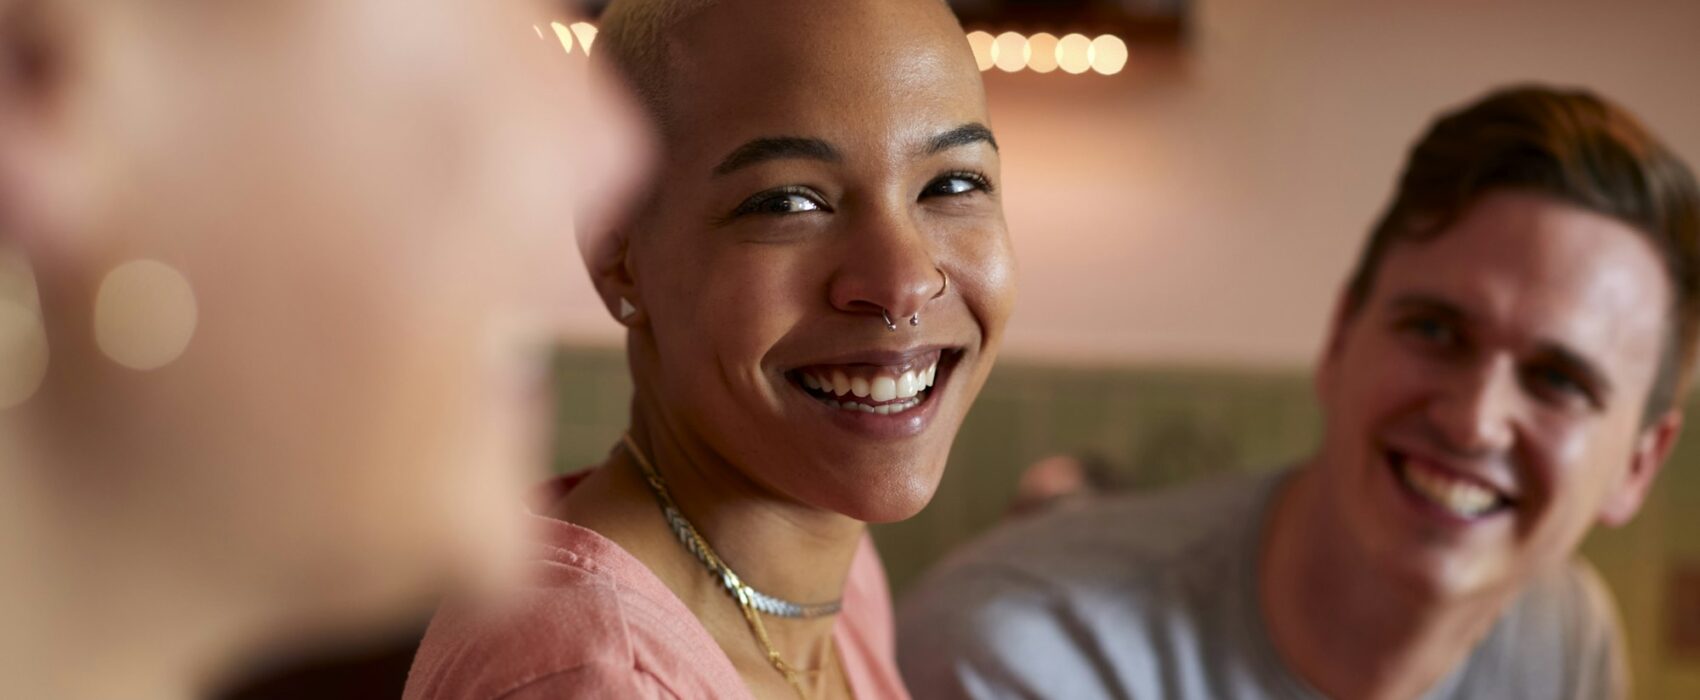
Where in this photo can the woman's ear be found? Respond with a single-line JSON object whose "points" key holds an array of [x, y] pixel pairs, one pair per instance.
{"points": [[612, 274]]}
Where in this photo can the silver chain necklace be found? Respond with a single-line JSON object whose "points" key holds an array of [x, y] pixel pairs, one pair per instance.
{"points": [[698, 547]]}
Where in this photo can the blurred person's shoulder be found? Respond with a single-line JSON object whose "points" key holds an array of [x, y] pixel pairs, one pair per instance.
{"points": [[592, 621]]}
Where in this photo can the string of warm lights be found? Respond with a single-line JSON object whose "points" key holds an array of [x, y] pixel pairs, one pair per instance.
{"points": [[579, 34], [1011, 52], [1043, 53]]}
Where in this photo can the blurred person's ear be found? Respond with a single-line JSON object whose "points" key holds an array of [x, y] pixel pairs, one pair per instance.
{"points": [[33, 166], [1652, 449], [39, 173]]}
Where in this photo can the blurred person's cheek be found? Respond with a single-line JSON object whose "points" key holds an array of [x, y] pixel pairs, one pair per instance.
{"points": [[554, 138], [587, 148], [617, 158]]}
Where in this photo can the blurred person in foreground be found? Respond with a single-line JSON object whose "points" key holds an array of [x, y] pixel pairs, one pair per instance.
{"points": [[275, 315], [1504, 370], [813, 290]]}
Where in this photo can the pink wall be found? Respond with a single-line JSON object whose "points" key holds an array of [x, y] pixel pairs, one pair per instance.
{"points": [[1202, 208]]}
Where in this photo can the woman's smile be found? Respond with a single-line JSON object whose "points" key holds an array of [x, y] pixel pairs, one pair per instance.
{"points": [[878, 384], [876, 393]]}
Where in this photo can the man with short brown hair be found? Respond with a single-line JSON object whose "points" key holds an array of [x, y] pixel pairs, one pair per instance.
{"points": [[1503, 371]]}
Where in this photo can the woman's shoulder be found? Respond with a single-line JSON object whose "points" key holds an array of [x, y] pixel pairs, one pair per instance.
{"points": [[590, 618]]}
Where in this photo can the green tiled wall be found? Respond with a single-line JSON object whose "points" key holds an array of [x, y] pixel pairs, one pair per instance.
{"points": [[1163, 426]]}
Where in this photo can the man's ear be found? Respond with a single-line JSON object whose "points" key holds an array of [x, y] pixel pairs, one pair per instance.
{"points": [[1333, 345], [1652, 450]]}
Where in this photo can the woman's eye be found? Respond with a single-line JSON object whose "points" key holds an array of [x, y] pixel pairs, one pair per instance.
{"points": [[958, 184], [788, 204], [780, 203]]}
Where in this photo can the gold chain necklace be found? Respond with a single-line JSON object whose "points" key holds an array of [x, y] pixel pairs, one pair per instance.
{"points": [[741, 592]]}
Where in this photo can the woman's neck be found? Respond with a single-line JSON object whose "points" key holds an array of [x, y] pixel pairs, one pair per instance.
{"points": [[778, 546]]}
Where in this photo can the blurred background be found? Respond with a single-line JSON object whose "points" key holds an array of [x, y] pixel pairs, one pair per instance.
{"points": [[1185, 198]]}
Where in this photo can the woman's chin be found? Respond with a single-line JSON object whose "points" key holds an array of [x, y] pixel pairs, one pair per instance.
{"points": [[887, 499]]}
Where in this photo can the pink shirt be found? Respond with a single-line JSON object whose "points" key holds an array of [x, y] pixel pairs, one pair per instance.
{"points": [[595, 623]]}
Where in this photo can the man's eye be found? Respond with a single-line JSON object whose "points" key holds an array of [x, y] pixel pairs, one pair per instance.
{"points": [[779, 203], [956, 184], [1556, 382], [1431, 331]]}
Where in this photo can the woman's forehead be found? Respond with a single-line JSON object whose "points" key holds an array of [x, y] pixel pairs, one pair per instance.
{"points": [[823, 61]]}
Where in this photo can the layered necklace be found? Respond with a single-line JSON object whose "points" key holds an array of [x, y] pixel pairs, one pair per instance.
{"points": [[751, 602]]}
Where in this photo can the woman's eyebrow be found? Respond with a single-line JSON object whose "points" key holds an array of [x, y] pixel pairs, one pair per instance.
{"points": [[965, 135], [775, 148]]}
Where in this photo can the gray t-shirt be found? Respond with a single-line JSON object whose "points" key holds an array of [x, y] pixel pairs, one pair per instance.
{"points": [[1154, 596]]}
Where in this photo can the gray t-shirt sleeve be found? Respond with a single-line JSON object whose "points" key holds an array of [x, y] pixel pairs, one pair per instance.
{"points": [[986, 632], [1560, 640], [1604, 668]]}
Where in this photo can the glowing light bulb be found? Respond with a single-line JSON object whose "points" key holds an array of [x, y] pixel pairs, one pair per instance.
{"points": [[1042, 53], [1109, 55], [982, 44], [23, 340], [564, 34], [1010, 51], [586, 34], [144, 314], [23, 353], [1074, 54]]}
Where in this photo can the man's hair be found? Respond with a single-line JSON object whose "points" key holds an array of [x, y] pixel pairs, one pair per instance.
{"points": [[1576, 148]]}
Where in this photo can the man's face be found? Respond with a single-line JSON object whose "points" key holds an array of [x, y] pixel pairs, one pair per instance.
{"points": [[1485, 402], [830, 162]]}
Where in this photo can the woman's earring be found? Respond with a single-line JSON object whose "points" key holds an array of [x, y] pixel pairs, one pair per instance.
{"points": [[627, 311], [23, 336]]}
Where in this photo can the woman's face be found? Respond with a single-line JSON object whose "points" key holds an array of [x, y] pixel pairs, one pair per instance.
{"points": [[370, 201], [829, 165]]}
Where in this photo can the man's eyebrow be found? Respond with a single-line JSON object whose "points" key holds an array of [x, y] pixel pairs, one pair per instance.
{"points": [[1431, 304], [777, 148], [965, 135]]}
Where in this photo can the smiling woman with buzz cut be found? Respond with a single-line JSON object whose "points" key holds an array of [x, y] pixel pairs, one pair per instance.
{"points": [[814, 290]]}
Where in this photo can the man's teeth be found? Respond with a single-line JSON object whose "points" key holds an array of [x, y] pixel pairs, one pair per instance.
{"points": [[880, 388], [1463, 498]]}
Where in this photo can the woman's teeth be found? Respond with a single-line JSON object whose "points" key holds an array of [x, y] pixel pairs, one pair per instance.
{"points": [[888, 393], [1463, 498], [884, 409]]}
